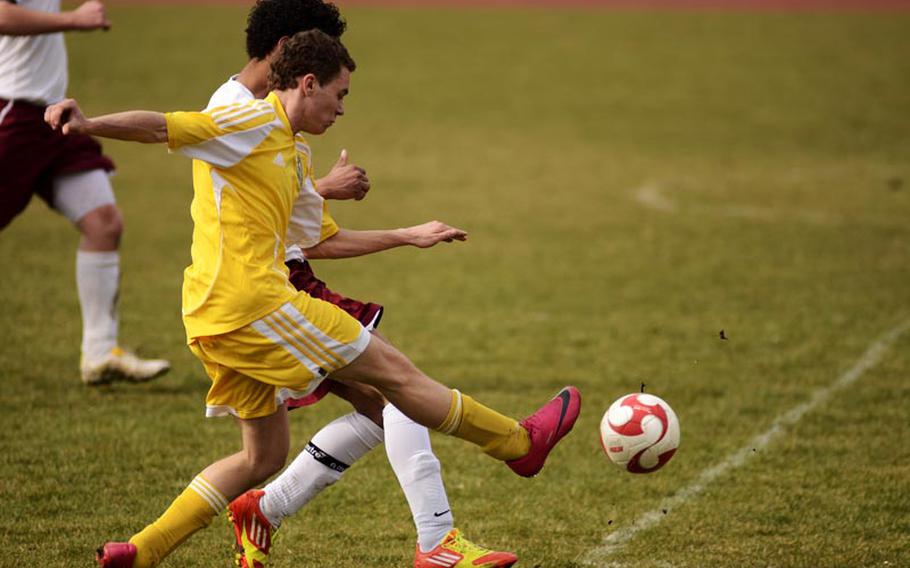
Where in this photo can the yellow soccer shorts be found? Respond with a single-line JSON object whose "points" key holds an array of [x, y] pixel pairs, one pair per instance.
{"points": [[285, 354]]}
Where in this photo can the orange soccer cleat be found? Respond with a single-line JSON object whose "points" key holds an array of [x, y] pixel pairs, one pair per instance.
{"points": [[252, 531], [455, 551]]}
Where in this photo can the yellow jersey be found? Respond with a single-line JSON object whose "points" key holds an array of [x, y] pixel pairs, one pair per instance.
{"points": [[310, 222], [248, 172]]}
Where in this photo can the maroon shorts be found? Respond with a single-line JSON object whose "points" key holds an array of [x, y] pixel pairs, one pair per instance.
{"points": [[32, 154], [367, 313]]}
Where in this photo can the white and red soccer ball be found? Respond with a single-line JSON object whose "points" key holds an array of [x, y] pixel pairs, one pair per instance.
{"points": [[639, 432]]}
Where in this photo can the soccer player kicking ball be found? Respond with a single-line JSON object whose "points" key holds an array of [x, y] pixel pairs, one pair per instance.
{"points": [[253, 332], [256, 514]]}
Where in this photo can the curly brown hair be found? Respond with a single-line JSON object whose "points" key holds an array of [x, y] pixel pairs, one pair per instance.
{"points": [[308, 52], [271, 20]]}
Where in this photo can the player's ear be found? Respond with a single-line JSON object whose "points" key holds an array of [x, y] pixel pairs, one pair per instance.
{"points": [[277, 49], [308, 83]]}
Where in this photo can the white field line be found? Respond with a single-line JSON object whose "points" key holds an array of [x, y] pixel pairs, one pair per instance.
{"points": [[651, 196], [615, 541], [654, 196]]}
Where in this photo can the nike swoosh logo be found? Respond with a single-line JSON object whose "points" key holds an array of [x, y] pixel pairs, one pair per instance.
{"points": [[442, 513], [566, 398]]}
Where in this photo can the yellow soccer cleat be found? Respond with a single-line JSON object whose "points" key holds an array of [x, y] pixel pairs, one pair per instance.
{"points": [[121, 365], [455, 551]]}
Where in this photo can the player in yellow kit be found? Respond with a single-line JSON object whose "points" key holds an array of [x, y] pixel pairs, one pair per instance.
{"points": [[256, 335]]}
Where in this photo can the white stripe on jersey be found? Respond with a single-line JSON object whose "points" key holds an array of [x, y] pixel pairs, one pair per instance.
{"points": [[218, 185], [227, 150], [244, 117], [303, 148], [228, 112], [305, 223]]}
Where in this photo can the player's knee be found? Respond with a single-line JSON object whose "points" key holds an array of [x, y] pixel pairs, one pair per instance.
{"points": [[365, 399], [370, 403], [103, 226], [265, 466], [264, 462], [398, 370]]}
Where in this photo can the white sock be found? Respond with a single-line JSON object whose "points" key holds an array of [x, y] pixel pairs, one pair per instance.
{"points": [[98, 282], [331, 451], [419, 474]]}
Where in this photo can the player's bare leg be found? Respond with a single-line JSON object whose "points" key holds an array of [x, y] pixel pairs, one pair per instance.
{"points": [[101, 229], [265, 447], [524, 446], [335, 448], [365, 399], [424, 400]]}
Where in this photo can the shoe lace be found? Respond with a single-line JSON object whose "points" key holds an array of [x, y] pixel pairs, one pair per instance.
{"points": [[460, 544]]}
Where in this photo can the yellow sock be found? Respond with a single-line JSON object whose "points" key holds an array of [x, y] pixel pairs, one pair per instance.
{"points": [[191, 511], [499, 436]]}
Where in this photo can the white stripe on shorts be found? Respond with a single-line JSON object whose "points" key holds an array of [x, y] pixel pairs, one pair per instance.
{"points": [[304, 340], [315, 350], [346, 351], [264, 327]]}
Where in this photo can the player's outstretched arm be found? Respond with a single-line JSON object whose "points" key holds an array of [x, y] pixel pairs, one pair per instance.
{"points": [[346, 243], [344, 181], [133, 126], [16, 20]]}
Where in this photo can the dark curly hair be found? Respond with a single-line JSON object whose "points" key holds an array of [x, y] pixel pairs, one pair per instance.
{"points": [[309, 52], [271, 20]]}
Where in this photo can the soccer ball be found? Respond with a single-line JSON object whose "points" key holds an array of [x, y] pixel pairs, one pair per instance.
{"points": [[639, 433]]}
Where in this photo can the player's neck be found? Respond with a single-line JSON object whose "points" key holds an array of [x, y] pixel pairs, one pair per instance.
{"points": [[255, 77], [292, 104]]}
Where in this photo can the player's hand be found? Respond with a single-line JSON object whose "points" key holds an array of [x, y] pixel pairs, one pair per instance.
{"points": [[90, 16], [429, 234], [66, 116], [344, 181]]}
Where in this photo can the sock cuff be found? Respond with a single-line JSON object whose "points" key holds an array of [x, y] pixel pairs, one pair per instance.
{"points": [[453, 418], [98, 258], [391, 415], [209, 493]]}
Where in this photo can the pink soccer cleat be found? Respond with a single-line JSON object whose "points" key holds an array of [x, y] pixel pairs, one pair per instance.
{"points": [[116, 555], [547, 427]]}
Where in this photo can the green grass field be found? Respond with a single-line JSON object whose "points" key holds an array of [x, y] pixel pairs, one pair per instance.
{"points": [[633, 182]]}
